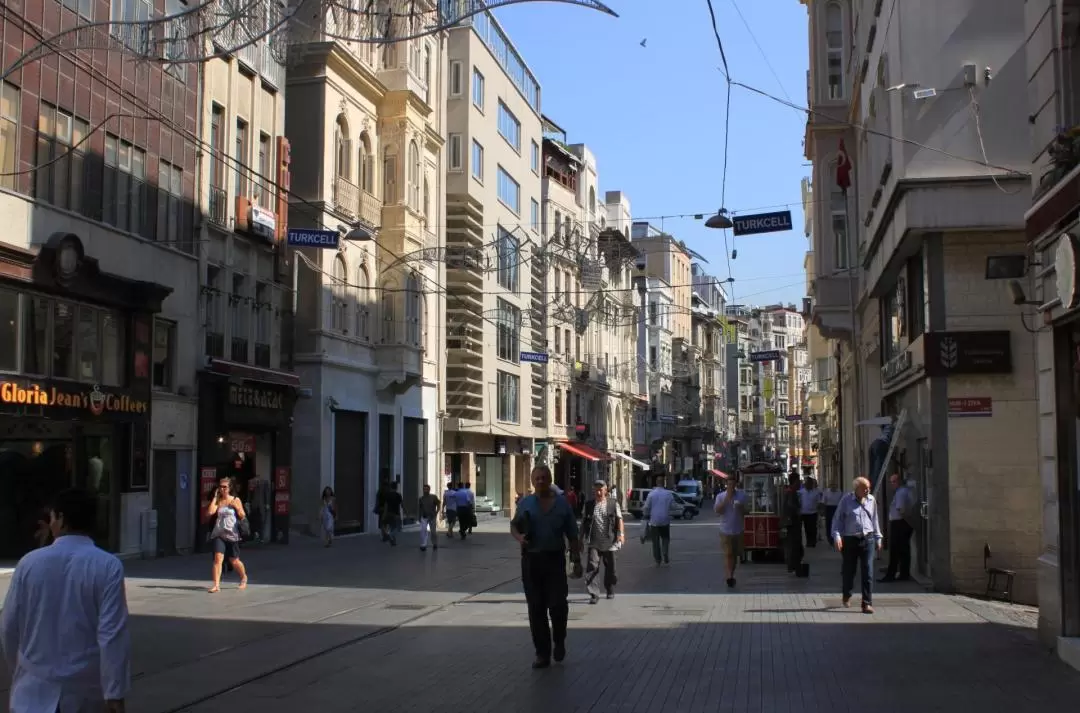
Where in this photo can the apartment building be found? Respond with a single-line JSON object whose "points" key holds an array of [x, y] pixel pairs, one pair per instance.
{"points": [[742, 383], [246, 390], [709, 426], [657, 348], [786, 330], [824, 462], [98, 282], [1053, 84], [925, 331], [493, 186], [366, 123]]}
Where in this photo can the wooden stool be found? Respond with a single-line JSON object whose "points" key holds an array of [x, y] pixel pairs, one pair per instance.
{"points": [[992, 575]]}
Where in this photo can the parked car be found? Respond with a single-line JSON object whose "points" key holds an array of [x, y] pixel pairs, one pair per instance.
{"points": [[681, 509], [485, 505], [691, 491], [636, 501]]}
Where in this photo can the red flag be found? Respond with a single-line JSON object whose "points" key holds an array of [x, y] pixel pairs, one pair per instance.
{"points": [[843, 167]]}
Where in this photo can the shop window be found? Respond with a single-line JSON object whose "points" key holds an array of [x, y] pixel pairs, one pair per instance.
{"points": [[164, 344], [113, 339], [88, 341], [9, 331], [63, 351]]}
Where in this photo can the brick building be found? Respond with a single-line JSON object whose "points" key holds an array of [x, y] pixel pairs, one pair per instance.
{"points": [[900, 261], [98, 288]]}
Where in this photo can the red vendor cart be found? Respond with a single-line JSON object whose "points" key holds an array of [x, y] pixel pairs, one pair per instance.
{"points": [[763, 484]]}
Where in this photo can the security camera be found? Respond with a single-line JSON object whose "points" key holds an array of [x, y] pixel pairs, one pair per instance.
{"points": [[1017, 292]]}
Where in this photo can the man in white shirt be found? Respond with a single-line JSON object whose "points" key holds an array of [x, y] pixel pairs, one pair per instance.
{"points": [[657, 512], [831, 498], [64, 626], [901, 510], [449, 500], [809, 499], [730, 505], [466, 509]]}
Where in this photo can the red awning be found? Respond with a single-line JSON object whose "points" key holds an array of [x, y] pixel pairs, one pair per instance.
{"points": [[253, 373], [580, 449], [718, 473]]}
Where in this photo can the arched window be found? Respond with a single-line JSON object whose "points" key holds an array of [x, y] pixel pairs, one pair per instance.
{"points": [[363, 307], [414, 176], [339, 310], [390, 175], [427, 205], [341, 141], [367, 164], [834, 50], [413, 316]]}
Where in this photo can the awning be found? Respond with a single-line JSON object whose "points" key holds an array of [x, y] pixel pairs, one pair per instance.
{"points": [[718, 473], [580, 449], [632, 461], [252, 373]]}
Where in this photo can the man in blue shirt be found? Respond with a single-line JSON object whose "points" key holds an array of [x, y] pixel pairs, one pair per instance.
{"points": [[545, 525], [857, 534], [730, 505]]}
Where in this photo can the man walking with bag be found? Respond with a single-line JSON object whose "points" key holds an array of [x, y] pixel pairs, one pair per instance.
{"points": [[603, 532], [546, 528]]}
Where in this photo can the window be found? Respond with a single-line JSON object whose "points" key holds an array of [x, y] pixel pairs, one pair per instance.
{"points": [[9, 134], [367, 164], [263, 194], [508, 331], [264, 322], [243, 149], [61, 159], [534, 158], [455, 79], [427, 74], [9, 331], [342, 147], [834, 50], [426, 206], [390, 175], [454, 149], [509, 126], [164, 343], [507, 385], [509, 260], [477, 89], [63, 340], [414, 176], [217, 149], [509, 191], [534, 216], [339, 301], [841, 245], [363, 306], [477, 161], [85, 8], [558, 407], [215, 328], [136, 36], [414, 317], [125, 186], [171, 218], [239, 312]]}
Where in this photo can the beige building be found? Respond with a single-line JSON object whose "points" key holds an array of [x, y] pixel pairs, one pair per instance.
{"points": [[818, 431], [932, 335], [493, 176], [1050, 305], [366, 124]]}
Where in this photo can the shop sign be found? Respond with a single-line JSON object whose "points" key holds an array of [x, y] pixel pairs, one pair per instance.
{"points": [[241, 443], [950, 353], [896, 367], [254, 397], [281, 478], [967, 407], [94, 400], [207, 480]]}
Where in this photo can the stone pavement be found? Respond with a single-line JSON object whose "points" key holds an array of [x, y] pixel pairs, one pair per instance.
{"points": [[363, 627]]}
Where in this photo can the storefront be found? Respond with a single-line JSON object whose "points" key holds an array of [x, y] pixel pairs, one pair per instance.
{"points": [[245, 432], [74, 391]]}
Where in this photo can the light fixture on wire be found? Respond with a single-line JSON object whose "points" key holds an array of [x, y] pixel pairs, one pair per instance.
{"points": [[720, 221]]}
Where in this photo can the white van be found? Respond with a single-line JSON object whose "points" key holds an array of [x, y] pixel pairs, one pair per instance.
{"points": [[691, 491]]}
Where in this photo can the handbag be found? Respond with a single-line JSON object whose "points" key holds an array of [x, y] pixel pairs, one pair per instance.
{"points": [[244, 526]]}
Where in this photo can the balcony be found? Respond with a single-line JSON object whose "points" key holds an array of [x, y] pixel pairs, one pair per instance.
{"points": [[400, 355], [595, 376], [219, 207], [831, 306]]}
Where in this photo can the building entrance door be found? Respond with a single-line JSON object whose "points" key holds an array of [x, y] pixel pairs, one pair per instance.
{"points": [[164, 473]]}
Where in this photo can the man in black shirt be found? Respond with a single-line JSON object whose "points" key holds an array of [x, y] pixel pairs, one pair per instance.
{"points": [[392, 512]]}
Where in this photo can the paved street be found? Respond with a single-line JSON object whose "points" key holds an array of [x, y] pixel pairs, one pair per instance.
{"points": [[365, 627]]}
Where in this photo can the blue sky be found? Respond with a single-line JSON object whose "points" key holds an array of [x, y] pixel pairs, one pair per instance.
{"points": [[653, 116]]}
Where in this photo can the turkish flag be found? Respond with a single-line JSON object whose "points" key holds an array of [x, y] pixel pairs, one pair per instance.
{"points": [[843, 167]]}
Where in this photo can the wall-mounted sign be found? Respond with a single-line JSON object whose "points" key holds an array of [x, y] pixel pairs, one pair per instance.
{"points": [[255, 397], [896, 367], [966, 406], [299, 238], [241, 443], [770, 355], [762, 223], [1065, 271], [534, 357], [93, 399], [968, 353]]}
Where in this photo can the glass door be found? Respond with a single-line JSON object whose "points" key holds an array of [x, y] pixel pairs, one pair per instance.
{"points": [[924, 471]]}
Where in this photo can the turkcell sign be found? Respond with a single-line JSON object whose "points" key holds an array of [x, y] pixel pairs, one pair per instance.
{"points": [[299, 238], [762, 223], [771, 355], [535, 357]]}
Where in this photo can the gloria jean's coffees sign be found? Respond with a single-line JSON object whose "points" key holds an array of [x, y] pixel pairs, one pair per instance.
{"points": [[92, 400]]}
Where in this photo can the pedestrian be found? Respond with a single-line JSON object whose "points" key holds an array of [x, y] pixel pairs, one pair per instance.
{"points": [[380, 509], [831, 498], [450, 512], [791, 522], [64, 626], [546, 528], [328, 515], [428, 509], [730, 505], [392, 502], [857, 535], [227, 512], [572, 498], [657, 513], [603, 536], [466, 508], [809, 500], [901, 512]]}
